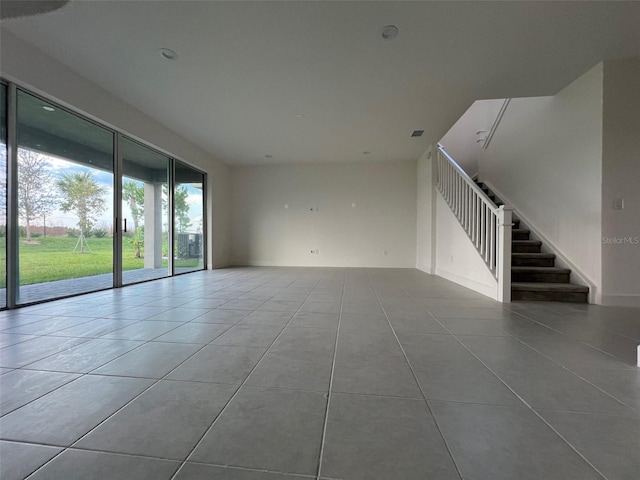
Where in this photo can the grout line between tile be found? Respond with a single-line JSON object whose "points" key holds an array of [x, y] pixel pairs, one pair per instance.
{"points": [[521, 398], [572, 373], [249, 278], [235, 394], [119, 409], [333, 367], [524, 342], [583, 342], [415, 377]]}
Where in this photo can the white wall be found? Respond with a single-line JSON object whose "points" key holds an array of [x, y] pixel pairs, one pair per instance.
{"points": [[621, 179], [456, 257], [359, 211], [30, 67], [545, 158], [460, 141]]}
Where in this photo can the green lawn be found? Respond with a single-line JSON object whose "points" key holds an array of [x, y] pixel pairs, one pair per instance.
{"points": [[52, 258]]}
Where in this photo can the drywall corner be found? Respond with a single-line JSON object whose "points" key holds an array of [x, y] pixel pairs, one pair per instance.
{"points": [[425, 212]]}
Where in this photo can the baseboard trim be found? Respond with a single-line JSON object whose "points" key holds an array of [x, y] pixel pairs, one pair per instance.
{"points": [[247, 263], [264, 263], [425, 268], [490, 291], [216, 266], [621, 300]]}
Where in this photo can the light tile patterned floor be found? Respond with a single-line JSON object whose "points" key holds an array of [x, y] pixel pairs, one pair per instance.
{"points": [[285, 373]]}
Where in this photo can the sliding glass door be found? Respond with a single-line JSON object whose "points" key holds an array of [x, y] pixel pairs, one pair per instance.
{"points": [[188, 208], [3, 196], [64, 201], [145, 213], [85, 208]]}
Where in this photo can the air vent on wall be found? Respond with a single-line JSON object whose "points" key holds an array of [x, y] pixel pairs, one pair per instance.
{"points": [[417, 133]]}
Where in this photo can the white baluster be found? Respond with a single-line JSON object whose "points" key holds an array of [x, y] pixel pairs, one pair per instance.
{"points": [[488, 228], [495, 242]]}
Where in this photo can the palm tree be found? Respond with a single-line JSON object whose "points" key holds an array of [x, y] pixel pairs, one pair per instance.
{"points": [[133, 194], [84, 197]]}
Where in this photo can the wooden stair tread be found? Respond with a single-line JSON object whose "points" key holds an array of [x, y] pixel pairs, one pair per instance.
{"points": [[543, 281], [527, 242], [548, 287], [526, 269]]}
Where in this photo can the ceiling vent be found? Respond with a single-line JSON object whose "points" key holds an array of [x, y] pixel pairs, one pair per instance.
{"points": [[417, 133]]}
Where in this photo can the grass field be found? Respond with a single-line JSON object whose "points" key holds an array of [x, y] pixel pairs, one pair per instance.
{"points": [[52, 258]]}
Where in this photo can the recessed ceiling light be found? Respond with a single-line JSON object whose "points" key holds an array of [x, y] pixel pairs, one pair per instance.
{"points": [[389, 32], [167, 54], [300, 115], [48, 108]]}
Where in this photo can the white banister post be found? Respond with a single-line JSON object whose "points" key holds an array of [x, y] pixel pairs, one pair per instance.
{"points": [[504, 254]]}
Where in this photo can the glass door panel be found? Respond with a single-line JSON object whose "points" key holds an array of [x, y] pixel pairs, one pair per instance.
{"points": [[65, 202], [3, 196], [145, 235], [189, 227]]}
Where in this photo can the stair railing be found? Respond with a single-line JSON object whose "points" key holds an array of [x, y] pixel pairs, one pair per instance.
{"points": [[488, 226], [496, 123]]}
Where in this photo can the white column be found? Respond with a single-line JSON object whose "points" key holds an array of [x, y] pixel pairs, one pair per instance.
{"points": [[152, 225], [503, 266]]}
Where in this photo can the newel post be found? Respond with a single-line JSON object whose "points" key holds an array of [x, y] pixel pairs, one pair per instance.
{"points": [[503, 267]]}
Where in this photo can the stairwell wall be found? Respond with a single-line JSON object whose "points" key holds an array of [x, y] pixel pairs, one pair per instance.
{"points": [[461, 141], [546, 160]]}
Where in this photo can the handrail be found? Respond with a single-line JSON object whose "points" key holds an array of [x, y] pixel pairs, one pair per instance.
{"points": [[496, 122], [488, 226], [468, 179]]}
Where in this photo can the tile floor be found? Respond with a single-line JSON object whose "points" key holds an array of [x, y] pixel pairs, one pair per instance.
{"points": [[284, 373]]}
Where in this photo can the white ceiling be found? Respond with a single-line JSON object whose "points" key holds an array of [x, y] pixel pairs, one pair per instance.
{"points": [[246, 69]]}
